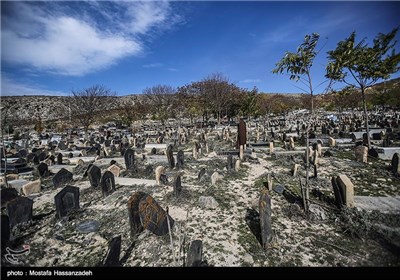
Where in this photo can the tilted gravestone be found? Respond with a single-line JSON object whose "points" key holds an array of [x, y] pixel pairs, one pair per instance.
{"points": [[62, 178], [62, 145], [19, 210], [114, 251], [337, 192], [396, 164], [145, 212], [87, 170], [179, 159], [195, 254], [202, 172], [129, 157], [94, 175], [107, 183], [133, 213], [42, 156], [59, 158], [66, 200], [5, 230], [346, 189], [43, 170], [177, 186], [265, 218], [170, 156]]}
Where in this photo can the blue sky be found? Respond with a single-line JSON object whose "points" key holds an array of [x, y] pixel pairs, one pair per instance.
{"points": [[54, 47]]}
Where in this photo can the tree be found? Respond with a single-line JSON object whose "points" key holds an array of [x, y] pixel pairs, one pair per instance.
{"points": [[362, 66], [299, 64], [87, 103], [249, 105], [161, 101]]}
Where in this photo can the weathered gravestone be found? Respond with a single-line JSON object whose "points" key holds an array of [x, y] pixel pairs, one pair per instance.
{"points": [[148, 171], [107, 183], [66, 200], [8, 194], [94, 175], [59, 158], [337, 192], [230, 164], [42, 156], [177, 186], [62, 145], [5, 231], [43, 170], [396, 164], [114, 251], [170, 156], [195, 254], [19, 210], [265, 218], [241, 134], [202, 172], [62, 178], [129, 157], [179, 159], [145, 212]]}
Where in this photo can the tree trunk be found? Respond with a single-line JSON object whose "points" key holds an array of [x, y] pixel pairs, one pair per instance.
{"points": [[312, 103], [366, 116]]}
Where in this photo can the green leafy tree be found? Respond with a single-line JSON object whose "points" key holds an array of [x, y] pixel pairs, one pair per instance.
{"points": [[299, 64], [362, 66]]}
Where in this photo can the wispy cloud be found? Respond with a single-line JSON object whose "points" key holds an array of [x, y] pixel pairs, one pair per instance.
{"points": [[249, 81], [10, 87], [153, 65], [173, 69], [55, 38]]}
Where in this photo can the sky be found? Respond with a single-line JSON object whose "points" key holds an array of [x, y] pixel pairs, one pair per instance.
{"points": [[54, 47]]}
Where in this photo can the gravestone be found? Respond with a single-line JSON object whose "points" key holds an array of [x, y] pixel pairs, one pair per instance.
{"points": [[42, 156], [170, 156], [241, 134], [133, 213], [177, 186], [158, 172], [153, 151], [195, 254], [337, 192], [62, 145], [8, 194], [94, 175], [62, 178], [31, 187], [179, 159], [112, 162], [107, 183], [346, 190], [19, 210], [265, 218], [87, 169], [43, 170], [230, 164], [35, 160], [88, 226], [202, 172], [114, 251], [59, 158], [395, 164], [214, 178], [5, 231], [115, 170], [107, 143], [148, 171], [361, 154], [66, 200], [23, 153], [129, 157]]}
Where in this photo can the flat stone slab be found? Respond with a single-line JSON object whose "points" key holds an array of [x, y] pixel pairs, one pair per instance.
{"points": [[385, 204], [106, 161], [152, 159], [57, 167], [74, 153], [17, 184], [157, 146], [75, 160], [387, 153], [134, 181]]}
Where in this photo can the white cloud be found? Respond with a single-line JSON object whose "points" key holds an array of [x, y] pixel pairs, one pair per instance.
{"points": [[48, 38], [10, 87], [153, 65], [249, 81], [173, 69]]}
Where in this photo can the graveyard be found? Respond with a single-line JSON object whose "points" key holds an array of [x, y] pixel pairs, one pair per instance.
{"points": [[284, 190]]}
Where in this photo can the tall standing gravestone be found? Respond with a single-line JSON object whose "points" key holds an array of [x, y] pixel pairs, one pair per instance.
{"points": [[195, 254], [265, 218], [43, 170], [107, 183], [170, 156], [19, 210], [114, 251], [129, 157], [66, 200], [94, 175], [241, 134], [396, 164], [230, 164], [5, 230], [202, 172], [133, 213], [179, 159], [177, 186], [59, 158], [62, 178]]}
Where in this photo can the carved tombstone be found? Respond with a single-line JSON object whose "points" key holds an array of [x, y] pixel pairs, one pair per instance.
{"points": [[62, 178], [107, 183], [66, 200], [129, 157], [94, 175]]}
